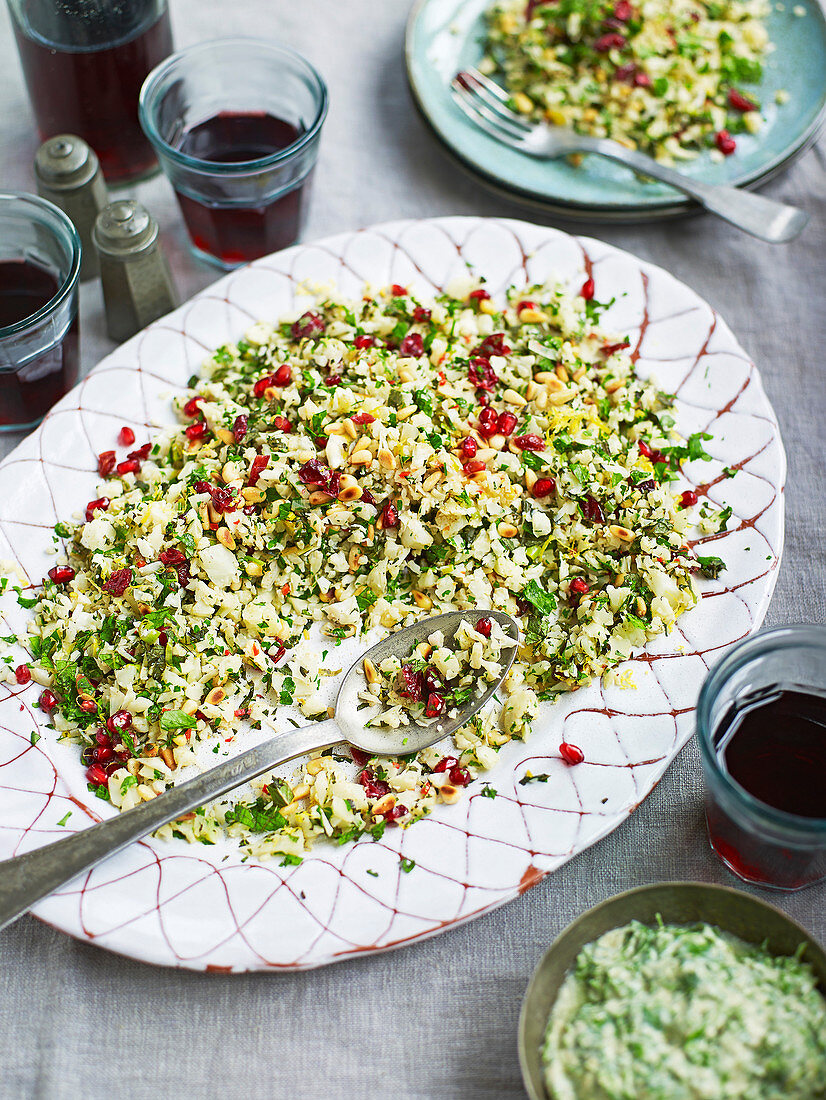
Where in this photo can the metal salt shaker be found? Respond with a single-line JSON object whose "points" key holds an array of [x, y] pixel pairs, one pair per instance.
{"points": [[68, 174], [137, 282]]}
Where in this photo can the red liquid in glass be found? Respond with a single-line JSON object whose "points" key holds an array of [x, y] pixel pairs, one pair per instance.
{"points": [[93, 92], [237, 234], [29, 391], [773, 744]]}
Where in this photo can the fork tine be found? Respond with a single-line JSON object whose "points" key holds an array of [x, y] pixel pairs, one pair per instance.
{"points": [[479, 112], [474, 81]]}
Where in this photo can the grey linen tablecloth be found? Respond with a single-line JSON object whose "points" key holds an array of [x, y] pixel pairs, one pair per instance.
{"points": [[437, 1019]]}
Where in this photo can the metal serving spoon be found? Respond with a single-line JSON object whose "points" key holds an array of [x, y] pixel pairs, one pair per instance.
{"points": [[27, 879]]}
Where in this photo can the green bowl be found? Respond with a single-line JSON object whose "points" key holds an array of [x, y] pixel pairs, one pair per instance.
{"points": [[733, 911]]}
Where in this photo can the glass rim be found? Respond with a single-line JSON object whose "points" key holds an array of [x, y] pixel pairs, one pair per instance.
{"points": [[70, 282], [763, 643], [152, 83]]}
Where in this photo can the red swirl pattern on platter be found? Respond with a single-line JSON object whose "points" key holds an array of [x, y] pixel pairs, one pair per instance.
{"points": [[169, 904]]}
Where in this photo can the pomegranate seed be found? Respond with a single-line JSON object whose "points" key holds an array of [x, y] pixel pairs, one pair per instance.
{"points": [[481, 374], [421, 314], [96, 775], [281, 424], [688, 499], [435, 705], [543, 487], [101, 754], [389, 515], [487, 423], [459, 777], [469, 447], [196, 431], [113, 766], [480, 295], [608, 42], [482, 397], [578, 587], [126, 437], [259, 463], [308, 325], [102, 737], [398, 291], [118, 582], [120, 720], [505, 423], [492, 345], [359, 342], [642, 80], [644, 449], [22, 674], [283, 376], [88, 706], [61, 574], [106, 463], [412, 345], [141, 453], [239, 427], [592, 510], [739, 102], [262, 385], [101, 503], [588, 288], [47, 701], [362, 418], [129, 466], [725, 142], [373, 788], [475, 466], [526, 304], [446, 763], [191, 407], [623, 11], [395, 812], [571, 754], [163, 638], [530, 442], [484, 627]]}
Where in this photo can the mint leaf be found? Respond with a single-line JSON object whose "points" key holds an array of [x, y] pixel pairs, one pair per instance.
{"points": [[176, 720]]}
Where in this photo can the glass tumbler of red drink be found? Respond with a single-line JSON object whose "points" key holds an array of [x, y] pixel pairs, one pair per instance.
{"points": [[84, 62], [761, 725], [39, 269], [236, 124]]}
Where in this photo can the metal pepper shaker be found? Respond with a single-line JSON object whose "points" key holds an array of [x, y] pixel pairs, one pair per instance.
{"points": [[137, 282], [68, 174]]}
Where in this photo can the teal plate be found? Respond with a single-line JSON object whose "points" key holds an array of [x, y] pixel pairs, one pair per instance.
{"points": [[444, 36]]}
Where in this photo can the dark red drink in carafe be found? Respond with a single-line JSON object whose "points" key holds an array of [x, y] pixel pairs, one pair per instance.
{"points": [[84, 65], [29, 389], [239, 233]]}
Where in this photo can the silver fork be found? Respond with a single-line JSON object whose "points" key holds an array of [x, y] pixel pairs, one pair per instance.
{"points": [[486, 104]]}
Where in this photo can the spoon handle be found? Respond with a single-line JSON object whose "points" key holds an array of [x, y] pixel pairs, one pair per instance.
{"points": [[27, 879]]}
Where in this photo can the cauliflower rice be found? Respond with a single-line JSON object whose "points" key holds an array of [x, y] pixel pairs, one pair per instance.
{"points": [[371, 462]]}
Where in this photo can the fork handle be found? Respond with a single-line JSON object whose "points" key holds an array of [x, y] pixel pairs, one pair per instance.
{"points": [[771, 221], [27, 879]]}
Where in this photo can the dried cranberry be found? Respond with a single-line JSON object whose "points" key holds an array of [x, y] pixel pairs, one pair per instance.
{"points": [[481, 374], [47, 701], [362, 418], [281, 424], [259, 463], [61, 574], [283, 376], [543, 487], [395, 812], [475, 466], [431, 682], [183, 574], [389, 515], [571, 754], [163, 638], [492, 345], [358, 756], [191, 407], [642, 80], [421, 314], [484, 627], [459, 777], [578, 587], [739, 102], [373, 788], [314, 473], [202, 487], [195, 431], [126, 437], [725, 142], [102, 503], [505, 423], [523, 607], [96, 775], [446, 763], [623, 11], [118, 582], [262, 385], [409, 683], [412, 345], [487, 423], [106, 463], [398, 291], [530, 442], [435, 705], [526, 304], [688, 498], [644, 486], [22, 674], [592, 510], [469, 447], [608, 42], [368, 497], [309, 324], [626, 74], [587, 290], [222, 499], [333, 486], [239, 427], [360, 342], [172, 557]]}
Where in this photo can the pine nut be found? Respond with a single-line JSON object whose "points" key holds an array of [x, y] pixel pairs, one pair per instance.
{"points": [[614, 385], [487, 306], [313, 767], [361, 458], [352, 492], [252, 494], [350, 429], [168, 757], [225, 435], [422, 601], [318, 496], [532, 390], [253, 569], [621, 533], [642, 610], [385, 803], [619, 580], [544, 376], [507, 530], [216, 696], [531, 478], [406, 412], [225, 538], [497, 442], [541, 400], [522, 103], [561, 373], [449, 793], [370, 674], [580, 373], [404, 374], [424, 649], [387, 460], [514, 398], [354, 559], [431, 481]]}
